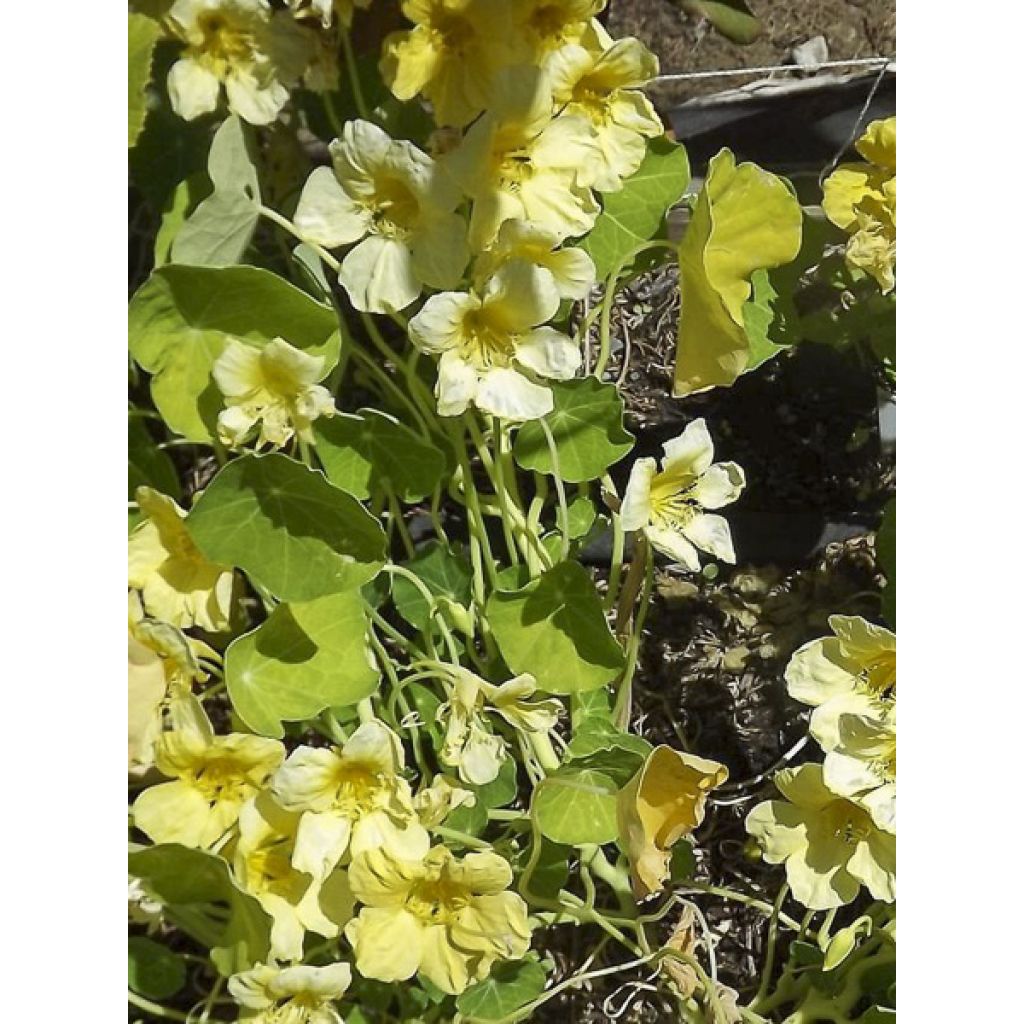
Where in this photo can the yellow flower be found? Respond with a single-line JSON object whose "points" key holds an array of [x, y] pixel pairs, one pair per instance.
{"points": [[163, 663], [549, 25], [213, 777], [447, 919], [519, 162], [663, 802], [349, 798], [440, 799], [571, 270], [253, 51], [829, 844], [451, 55], [487, 339], [295, 901], [468, 746], [393, 200], [275, 387], [860, 658], [290, 995], [177, 584], [599, 80], [670, 506], [860, 198]]}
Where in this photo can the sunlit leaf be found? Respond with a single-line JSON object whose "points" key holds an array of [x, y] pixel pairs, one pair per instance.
{"points": [[575, 807], [509, 986], [143, 34]]}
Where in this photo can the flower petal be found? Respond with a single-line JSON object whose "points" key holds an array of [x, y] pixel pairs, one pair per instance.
{"points": [[720, 485], [711, 533], [549, 353], [388, 943], [326, 213], [193, 89], [457, 384], [674, 545], [378, 275], [320, 842], [438, 326], [689, 455], [507, 393], [635, 512]]}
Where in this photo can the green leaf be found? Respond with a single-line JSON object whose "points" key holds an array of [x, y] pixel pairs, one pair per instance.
{"points": [[582, 515], [745, 219], [510, 985], [306, 657], [502, 790], [219, 231], [597, 744], [180, 320], [288, 528], [143, 34], [633, 215], [147, 464], [551, 871], [445, 575], [372, 451], [576, 807], [885, 546], [183, 200], [759, 314], [586, 424], [733, 18], [153, 970], [183, 877], [555, 629]]}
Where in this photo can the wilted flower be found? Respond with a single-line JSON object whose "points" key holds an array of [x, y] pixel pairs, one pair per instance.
{"points": [[393, 199], [518, 162], [244, 45], [274, 387], [669, 506], [663, 802], [468, 745], [486, 340], [290, 995], [177, 583], [295, 901], [829, 844], [600, 80], [445, 918], [571, 269], [353, 797], [860, 198], [213, 776]]}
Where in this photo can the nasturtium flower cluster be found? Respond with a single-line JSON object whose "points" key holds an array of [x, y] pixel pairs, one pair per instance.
{"points": [[860, 198]]}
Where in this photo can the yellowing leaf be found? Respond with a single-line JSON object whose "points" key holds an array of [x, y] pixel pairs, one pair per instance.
{"points": [[663, 802], [143, 33], [745, 220]]}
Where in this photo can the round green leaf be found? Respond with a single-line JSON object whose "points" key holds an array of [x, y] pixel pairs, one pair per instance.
{"points": [[179, 322], [153, 970], [577, 807], [445, 575], [510, 985], [288, 528], [304, 658], [586, 424], [373, 452], [633, 215], [555, 629]]}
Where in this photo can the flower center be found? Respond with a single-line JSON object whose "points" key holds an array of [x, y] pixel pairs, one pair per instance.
{"points": [[550, 23], [359, 789], [482, 344], [395, 209], [674, 506], [850, 824], [225, 42], [879, 674], [454, 34], [513, 169], [269, 865], [222, 778], [436, 900]]}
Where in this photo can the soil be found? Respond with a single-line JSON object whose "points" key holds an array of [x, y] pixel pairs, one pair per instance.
{"points": [[685, 42]]}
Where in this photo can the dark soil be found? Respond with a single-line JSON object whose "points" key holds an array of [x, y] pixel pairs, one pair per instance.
{"points": [[684, 42]]}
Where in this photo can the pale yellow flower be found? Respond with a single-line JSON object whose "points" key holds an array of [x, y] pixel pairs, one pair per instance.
{"points": [[440, 799], [829, 844], [490, 340], [451, 55], [270, 994], [549, 25], [177, 583], [571, 269], [256, 53], [393, 200], [599, 80], [469, 746], [519, 162], [663, 802], [447, 919], [295, 900], [353, 798], [274, 387], [860, 198], [213, 777], [163, 664], [669, 506]]}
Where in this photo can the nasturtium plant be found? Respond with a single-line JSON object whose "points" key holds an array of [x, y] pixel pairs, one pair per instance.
{"points": [[392, 544]]}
